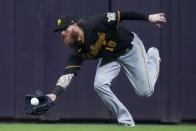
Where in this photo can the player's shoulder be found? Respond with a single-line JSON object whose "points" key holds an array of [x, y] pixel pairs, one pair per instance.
{"points": [[92, 21], [95, 22]]}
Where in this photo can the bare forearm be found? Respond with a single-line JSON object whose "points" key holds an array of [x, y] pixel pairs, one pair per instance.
{"points": [[61, 85], [64, 80]]}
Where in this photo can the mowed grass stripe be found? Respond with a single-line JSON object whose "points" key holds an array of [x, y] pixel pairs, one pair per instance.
{"points": [[93, 127]]}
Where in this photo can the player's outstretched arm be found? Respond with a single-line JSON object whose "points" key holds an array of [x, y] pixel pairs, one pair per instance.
{"points": [[61, 85], [157, 19]]}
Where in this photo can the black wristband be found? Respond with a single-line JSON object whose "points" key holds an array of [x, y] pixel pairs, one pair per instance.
{"points": [[58, 90]]}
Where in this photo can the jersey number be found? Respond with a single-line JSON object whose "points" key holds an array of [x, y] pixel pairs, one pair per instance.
{"points": [[110, 46]]}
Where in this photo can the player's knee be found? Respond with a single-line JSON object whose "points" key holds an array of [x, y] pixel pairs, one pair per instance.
{"points": [[96, 86], [144, 88], [99, 85], [146, 93]]}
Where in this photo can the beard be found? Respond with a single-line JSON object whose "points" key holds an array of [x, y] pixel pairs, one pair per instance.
{"points": [[75, 36], [72, 41]]}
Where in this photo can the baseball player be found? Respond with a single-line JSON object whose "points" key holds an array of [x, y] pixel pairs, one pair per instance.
{"points": [[102, 38]]}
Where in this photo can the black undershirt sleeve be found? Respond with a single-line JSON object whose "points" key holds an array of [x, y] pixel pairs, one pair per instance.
{"points": [[74, 64], [131, 15]]}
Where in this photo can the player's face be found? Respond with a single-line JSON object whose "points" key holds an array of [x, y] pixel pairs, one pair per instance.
{"points": [[70, 35]]}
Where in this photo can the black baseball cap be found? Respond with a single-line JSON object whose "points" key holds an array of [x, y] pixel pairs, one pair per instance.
{"points": [[64, 22]]}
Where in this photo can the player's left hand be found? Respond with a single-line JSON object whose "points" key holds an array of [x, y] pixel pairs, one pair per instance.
{"points": [[157, 19]]}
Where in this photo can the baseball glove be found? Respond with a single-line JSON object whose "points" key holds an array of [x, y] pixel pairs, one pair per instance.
{"points": [[45, 103]]}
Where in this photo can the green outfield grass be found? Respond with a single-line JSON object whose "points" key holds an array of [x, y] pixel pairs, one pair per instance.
{"points": [[93, 127]]}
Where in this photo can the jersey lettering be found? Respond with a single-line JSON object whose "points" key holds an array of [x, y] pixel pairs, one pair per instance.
{"points": [[98, 44]]}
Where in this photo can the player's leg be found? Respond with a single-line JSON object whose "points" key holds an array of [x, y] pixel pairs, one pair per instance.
{"points": [[104, 76], [142, 69]]}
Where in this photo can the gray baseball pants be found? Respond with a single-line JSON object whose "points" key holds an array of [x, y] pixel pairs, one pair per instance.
{"points": [[142, 70]]}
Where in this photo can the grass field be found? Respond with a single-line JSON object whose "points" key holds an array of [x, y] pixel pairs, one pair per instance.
{"points": [[93, 127]]}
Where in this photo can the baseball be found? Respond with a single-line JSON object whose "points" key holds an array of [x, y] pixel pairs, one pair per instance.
{"points": [[34, 101]]}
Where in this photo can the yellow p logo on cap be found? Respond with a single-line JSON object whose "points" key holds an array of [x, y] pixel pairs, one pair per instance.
{"points": [[59, 21]]}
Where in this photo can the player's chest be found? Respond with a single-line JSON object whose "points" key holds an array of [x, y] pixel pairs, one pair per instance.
{"points": [[98, 42]]}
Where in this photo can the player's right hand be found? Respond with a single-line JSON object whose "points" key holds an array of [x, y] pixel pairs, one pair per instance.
{"points": [[157, 19]]}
